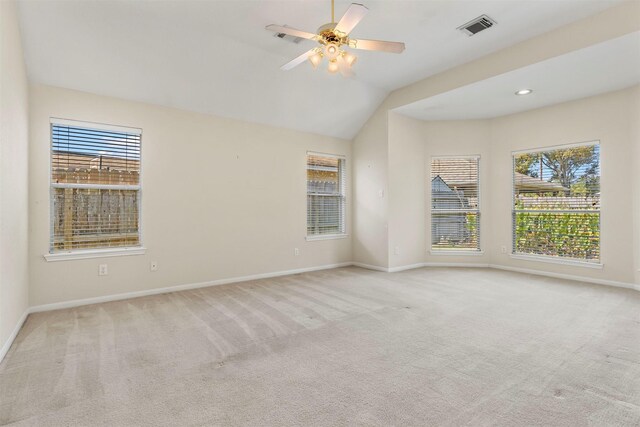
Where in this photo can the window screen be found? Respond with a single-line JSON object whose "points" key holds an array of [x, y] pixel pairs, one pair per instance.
{"points": [[326, 199], [556, 202], [95, 187], [455, 203]]}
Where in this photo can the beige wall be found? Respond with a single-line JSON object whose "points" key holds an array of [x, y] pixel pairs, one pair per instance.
{"points": [[607, 118], [236, 206], [370, 188], [635, 138], [406, 191], [14, 117], [412, 144]]}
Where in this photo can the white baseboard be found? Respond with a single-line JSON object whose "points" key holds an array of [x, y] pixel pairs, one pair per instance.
{"points": [[456, 264], [567, 277], [389, 269], [418, 265], [7, 345], [502, 267], [156, 291], [405, 267], [370, 267]]}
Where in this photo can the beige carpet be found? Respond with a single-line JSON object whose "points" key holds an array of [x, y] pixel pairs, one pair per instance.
{"points": [[338, 347]]}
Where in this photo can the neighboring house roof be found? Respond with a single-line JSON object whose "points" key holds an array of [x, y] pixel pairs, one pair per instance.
{"points": [[526, 182], [445, 197], [438, 185], [461, 173], [458, 172]]}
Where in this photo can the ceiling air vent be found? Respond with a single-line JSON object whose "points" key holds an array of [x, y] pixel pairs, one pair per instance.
{"points": [[287, 37], [476, 25]]}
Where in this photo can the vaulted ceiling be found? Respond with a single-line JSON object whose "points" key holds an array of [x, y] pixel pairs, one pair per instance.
{"points": [[597, 69], [215, 56]]}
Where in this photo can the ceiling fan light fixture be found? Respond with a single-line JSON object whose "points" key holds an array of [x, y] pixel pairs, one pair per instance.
{"points": [[349, 58], [332, 50], [315, 59], [343, 67], [332, 68]]}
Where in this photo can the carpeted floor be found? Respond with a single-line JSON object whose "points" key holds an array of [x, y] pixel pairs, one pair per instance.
{"points": [[337, 347]]}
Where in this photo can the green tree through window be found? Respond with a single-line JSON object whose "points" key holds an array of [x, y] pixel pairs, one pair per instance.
{"points": [[556, 209]]}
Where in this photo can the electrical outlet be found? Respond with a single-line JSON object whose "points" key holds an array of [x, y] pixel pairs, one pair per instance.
{"points": [[296, 251], [102, 270], [154, 265], [397, 250], [503, 249]]}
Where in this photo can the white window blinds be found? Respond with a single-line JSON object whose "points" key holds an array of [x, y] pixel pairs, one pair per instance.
{"points": [[95, 186], [326, 201], [556, 202], [455, 203]]}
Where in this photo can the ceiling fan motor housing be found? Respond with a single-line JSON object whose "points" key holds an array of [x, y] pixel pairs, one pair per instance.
{"points": [[328, 35]]}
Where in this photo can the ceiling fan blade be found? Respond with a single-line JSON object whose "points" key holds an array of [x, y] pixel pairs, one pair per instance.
{"points": [[393, 47], [299, 60], [291, 31], [350, 19]]}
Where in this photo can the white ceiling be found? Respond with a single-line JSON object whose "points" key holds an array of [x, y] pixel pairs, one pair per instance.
{"points": [[215, 56], [600, 68]]}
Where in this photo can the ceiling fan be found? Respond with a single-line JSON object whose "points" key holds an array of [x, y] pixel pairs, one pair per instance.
{"points": [[332, 37]]}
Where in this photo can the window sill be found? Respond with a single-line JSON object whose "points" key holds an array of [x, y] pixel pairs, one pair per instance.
{"points": [[471, 252], [94, 253], [553, 260], [327, 237]]}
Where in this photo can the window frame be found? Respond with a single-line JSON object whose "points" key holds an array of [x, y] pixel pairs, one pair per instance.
{"points": [[343, 183], [555, 259], [75, 254], [456, 251]]}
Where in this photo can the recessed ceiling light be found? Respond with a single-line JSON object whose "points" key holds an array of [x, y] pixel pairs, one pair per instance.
{"points": [[524, 92]]}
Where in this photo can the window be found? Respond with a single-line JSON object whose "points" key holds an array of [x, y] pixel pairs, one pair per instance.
{"points": [[556, 202], [455, 204], [95, 186], [325, 195]]}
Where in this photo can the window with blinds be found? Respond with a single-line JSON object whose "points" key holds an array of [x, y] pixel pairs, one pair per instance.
{"points": [[556, 202], [326, 200], [95, 186], [455, 204]]}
